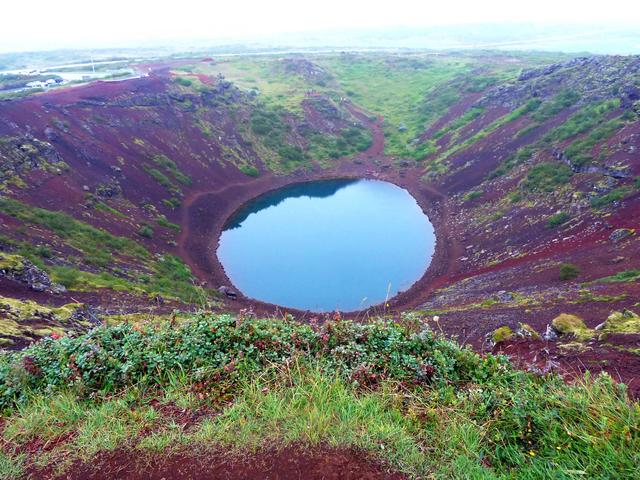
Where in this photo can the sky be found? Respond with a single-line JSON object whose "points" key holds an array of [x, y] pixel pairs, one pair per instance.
{"points": [[49, 24]]}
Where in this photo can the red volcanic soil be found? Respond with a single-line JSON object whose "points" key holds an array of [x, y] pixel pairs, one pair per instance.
{"points": [[514, 252], [287, 463]]}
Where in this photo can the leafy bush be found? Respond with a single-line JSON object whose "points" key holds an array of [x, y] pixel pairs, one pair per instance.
{"points": [[557, 219], [569, 271], [146, 231], [472, 195], [250, 170], [183, 81], [108, 359]]}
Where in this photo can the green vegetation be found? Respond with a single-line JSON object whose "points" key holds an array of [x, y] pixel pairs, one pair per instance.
{"points": [[569, 271], [163, 222], [428, 407], [145, 231], [183, 81], [613, 196], [624, 276], [525, 109], [546, 177], [557, 104], [349, 141], [557, 219], [88, 239], [502, 334], [171, 277], [170, 166], [472, 195], [460, 122], [585, 119], [159, 177], [409, 93], [250, 170], [103, 207], [579, 152], [572, 325]]}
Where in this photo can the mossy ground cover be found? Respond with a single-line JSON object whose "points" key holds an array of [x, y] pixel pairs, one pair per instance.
{"points": [[409, 93], [429, 407]]}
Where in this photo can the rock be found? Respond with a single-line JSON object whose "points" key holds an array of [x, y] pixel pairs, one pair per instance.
{"points": [[51, 134], [527, 331], [228, 291], [503, 296], [550, 334], [629, 94], [621, 234], [109, 190]]}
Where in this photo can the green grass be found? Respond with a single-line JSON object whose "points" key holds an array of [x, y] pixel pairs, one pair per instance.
{"points": [[80, 235], [453, 414], [613, 196], [163, 222], [624, 276], [546, 177], [250, 170], [582, 121], [525, 109], [580, 151], [171, 167], [555, 105], [409, 92]]}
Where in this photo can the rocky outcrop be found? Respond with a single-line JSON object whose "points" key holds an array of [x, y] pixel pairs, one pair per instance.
{"points": [[592, 78], [19, 269]]}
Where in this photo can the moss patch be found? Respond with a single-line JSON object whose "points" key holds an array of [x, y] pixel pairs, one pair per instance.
{"points": [[621, 322], [571, 325], [502, 334]]}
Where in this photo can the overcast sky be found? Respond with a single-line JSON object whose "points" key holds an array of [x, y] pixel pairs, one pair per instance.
{"points": [[47, 24]]}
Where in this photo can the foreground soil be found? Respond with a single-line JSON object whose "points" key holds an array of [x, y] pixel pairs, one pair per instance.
{"points": [[288, 463]]}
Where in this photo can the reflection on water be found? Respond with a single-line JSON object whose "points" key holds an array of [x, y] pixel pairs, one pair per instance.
{"points": [[321, 189]]}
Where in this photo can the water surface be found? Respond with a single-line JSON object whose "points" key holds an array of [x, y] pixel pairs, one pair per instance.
{"points": [[328, 245]]}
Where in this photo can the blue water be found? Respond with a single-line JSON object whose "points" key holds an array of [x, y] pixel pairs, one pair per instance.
{"points": [[329, 245]]}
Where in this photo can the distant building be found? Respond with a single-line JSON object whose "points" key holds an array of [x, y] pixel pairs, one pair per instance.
{"points": [[36, 84]]}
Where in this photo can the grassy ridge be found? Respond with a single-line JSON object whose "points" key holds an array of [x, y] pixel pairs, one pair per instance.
{"points": [[426, 405]]}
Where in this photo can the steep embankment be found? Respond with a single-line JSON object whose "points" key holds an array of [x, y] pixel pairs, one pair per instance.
{"points": [[528, 172]]}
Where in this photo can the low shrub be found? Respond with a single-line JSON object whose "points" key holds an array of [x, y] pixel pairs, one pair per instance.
{"points": [[557, 219], [569, 271]]}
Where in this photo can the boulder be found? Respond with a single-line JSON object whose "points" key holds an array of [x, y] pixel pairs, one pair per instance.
{"points": [[228, 292], [621, 234]]}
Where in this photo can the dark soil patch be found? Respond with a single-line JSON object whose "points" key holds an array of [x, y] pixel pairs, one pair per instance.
{"points": [[289, 463]]}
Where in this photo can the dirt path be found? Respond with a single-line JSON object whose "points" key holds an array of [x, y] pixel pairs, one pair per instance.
{"points": [[287, 463]]}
